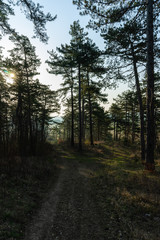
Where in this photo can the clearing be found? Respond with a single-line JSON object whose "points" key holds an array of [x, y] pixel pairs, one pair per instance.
{"points": [[101, 194]]}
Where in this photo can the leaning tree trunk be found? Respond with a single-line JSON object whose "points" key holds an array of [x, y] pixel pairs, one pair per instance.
{"points": [[141, 109], [150, 89]]}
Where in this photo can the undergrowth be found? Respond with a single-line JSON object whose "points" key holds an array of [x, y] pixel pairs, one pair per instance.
{"points": [[128, 196], [24, 183]]}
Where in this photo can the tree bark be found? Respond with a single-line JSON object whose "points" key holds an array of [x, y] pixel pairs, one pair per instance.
{"points": [[29, 108], [133, 123], [150, 90], [43, 122], [90, 111], [83, 116], [80, 118], [20, 124], [114, 129], [72, 127], [141, 109], [126, 122]]}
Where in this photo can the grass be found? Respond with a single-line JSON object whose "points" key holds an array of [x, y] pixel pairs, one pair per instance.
{"points": [[22, 189], [128, 197]]}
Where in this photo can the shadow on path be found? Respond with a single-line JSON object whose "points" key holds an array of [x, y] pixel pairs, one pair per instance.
{"points": [[69, 211]]}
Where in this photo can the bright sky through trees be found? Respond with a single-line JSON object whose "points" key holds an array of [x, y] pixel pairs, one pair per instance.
{"points": [[58, 32]]}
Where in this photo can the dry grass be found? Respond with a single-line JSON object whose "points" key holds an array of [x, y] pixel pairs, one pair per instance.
{"points": [[24, 183], [128, 196]]}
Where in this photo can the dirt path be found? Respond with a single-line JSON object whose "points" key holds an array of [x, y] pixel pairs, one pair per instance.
{"points": [[69, 212]]}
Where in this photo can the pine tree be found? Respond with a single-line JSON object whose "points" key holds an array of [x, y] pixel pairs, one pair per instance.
{"points": [[32, 11], [117, 12], [130, 46], [64, 65]]}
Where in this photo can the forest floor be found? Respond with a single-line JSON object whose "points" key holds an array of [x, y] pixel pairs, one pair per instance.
{"points": [[103, 193]]}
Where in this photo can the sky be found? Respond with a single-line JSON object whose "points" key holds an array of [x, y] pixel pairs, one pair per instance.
{"points": [[58, 32]]}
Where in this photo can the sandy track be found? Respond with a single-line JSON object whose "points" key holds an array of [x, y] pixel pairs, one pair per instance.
{"points": [[69, 211]]}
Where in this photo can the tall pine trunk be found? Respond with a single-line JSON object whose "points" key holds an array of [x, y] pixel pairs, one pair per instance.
{"points": [[114, 129], [20, 125], [43, 126], [72, 105], [79, 99], [90, 111], [83, 116], [126, 122], [29, 109], [133, 123], [150, 89], [0, 129], [141, 109]]}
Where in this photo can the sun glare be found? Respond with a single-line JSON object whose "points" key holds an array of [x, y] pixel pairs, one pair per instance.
{"points": [[12, 75], [10, 78]]}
